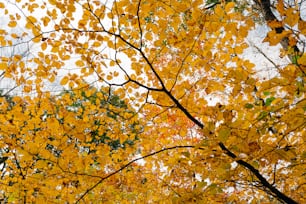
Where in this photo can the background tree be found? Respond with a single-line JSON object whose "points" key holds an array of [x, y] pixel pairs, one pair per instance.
{"points": [[212, 130], [49, 141]]}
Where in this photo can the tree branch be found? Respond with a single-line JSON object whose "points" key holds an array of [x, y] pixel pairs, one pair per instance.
{"points": [[131, 162], [276, 193], [265, 6]]}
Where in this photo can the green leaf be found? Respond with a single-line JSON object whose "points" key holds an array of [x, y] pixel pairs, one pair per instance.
{"points": [[303, 156], [269, 101], [255, 164], [295, 59], [186, 154], [201, 184], [248, 105], [266, 93], [262, 115], [214, 188]]}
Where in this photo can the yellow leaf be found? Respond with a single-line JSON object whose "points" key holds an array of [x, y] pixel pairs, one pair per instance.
{"points": [[109, 77], [41, 164], [43, 45], [71, 84], [54, 49], [52, 78], [27, 89], [229, 7], [2, 5], [29, 25], [112, 63], [52, 2], [64, 80], [80, 63], [292, 17], [219, 11], [302, 60], [14, 35], [31, 19], [274, 38], [46, 21], [302, 27], [275, 24], [223, 134], [12, 24], [96, 44], [285, 154], [100, 38], [3, 66], [280, 7]]}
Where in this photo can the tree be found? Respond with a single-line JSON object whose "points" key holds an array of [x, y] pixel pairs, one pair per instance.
{"points": [[209, 128], [48, 141]]}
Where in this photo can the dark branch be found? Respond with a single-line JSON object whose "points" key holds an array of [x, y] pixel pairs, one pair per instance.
{"points": [[276, 193], [265, 6]]}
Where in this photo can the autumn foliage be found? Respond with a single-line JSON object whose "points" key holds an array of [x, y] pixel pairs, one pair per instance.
{"points": [[158, 102]]}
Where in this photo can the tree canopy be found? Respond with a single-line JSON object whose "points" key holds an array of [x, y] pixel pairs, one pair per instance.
{"points": [[159, 102]]}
